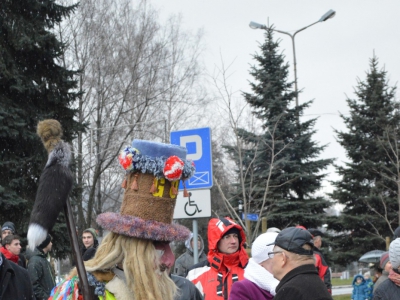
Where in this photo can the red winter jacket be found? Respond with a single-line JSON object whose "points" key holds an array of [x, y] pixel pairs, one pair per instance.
{"points": [[214, 277]]}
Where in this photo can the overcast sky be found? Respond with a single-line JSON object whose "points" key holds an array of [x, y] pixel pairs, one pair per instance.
{"points": [[330, 55]]}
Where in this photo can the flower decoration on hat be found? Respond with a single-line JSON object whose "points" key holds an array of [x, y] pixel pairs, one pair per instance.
{"points": [[171, 168]]}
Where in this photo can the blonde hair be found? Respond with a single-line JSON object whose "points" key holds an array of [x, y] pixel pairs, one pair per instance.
{"points": [[140, 263]]}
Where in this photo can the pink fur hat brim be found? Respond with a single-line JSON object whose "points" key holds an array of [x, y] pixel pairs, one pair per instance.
{"points": [[144, 229]]}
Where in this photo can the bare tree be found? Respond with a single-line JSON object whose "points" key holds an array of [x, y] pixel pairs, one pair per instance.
{"points": [[136, 76], [238, 116], [390, 172]]}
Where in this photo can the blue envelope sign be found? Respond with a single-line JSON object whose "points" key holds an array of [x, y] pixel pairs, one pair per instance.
{"points": [[198, 143]]}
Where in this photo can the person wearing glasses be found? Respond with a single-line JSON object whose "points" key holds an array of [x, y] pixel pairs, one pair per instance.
{"points": [[258, 282], [293, 265]]}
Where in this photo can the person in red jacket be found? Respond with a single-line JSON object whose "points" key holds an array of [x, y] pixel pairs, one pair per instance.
{"points": [[12, 248], [225, 262]]}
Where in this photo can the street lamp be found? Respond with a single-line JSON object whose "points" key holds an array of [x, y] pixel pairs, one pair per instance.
{"points": [[328, 15]]}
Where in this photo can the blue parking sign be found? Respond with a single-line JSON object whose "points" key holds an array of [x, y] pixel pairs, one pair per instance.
{"points": [[198, 144]]}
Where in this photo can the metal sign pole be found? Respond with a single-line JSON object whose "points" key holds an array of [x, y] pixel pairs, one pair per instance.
{"points": [[195, 239]]}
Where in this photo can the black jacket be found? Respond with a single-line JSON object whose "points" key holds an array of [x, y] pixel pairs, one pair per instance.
{"points": [[186, 289], [41, 275], [90, 252], [302, 283], [14, 282]]}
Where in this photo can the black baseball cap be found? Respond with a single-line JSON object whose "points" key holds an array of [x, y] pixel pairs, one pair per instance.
{"points": [[292, 239], [315, 232]]}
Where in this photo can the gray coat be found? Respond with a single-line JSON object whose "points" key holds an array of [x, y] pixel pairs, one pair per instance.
{"points": [[381, 279], [185, 261], [387, 291]]}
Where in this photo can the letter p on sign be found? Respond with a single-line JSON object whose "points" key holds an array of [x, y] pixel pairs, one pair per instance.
{"points": [[196, 139]]}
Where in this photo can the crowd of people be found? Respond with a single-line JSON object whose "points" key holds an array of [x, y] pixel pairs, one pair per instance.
{"points": [[135, 260], [35, 277]]}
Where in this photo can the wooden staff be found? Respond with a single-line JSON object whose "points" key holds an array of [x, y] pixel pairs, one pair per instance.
{"points": [[84, 284]]}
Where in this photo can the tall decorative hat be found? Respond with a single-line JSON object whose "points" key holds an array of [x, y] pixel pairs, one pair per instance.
{"points": [[153, 171]]}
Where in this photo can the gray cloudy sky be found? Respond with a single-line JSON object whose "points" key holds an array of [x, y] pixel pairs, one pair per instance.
{"points": [[330, 55]]}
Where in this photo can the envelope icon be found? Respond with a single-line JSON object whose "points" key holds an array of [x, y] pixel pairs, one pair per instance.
{"points": [[200, 178]]}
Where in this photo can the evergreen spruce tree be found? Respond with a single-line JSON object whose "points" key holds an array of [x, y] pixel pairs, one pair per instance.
{"points": [[367, 188], [33, 86], [296, 171]]}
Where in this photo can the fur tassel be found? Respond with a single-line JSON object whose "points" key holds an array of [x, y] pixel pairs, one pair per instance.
{"points": [[174, 190], [153, 187], [55, 183], [124, 184], [185, 192], [134, 185]]}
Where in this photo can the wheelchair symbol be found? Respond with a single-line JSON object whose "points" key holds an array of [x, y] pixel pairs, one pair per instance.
{"points": [[191, 203]]}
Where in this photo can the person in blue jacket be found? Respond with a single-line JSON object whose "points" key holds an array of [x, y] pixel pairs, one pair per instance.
{"points": [[360, 288]]}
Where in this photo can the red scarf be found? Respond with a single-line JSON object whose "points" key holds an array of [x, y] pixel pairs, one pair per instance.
{"points": [[395, 277], [9, 255]]}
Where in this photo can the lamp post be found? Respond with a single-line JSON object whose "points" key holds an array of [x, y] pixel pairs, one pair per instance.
{"points": [[328, 15]]}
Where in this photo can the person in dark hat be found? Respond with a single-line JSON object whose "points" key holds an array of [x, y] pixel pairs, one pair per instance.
{"points": [[7, 229], [293, 265], [225, 262], [90, 243], [39, 269], [320, 262], [134, 260], [385, 265]]}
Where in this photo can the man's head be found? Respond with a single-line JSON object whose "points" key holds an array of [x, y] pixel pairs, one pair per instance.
{"points": [[292, 248], [396, 233], [229, 242], [198, 244], [317, 237], [11, 243], [385, 262], [7, 229], [225, 236], [146, 262], [260, 249], [394, 255], [88, 237], [46, 245]]}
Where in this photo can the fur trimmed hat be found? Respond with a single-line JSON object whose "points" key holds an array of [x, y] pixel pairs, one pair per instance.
{"points": [[153, 171]]}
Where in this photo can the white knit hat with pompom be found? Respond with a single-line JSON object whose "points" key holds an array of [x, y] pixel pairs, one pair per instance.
{"points": [[394, 253], [259, 249]]}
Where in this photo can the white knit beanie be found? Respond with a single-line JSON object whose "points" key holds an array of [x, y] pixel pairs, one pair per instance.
{"points": [[259, 249], [394, 253]]}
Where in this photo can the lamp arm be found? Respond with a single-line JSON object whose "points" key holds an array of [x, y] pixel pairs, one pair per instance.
{"points": [[301, 29]]}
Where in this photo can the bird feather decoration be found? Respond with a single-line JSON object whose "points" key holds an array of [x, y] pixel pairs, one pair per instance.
{"points": [[55, 183]]}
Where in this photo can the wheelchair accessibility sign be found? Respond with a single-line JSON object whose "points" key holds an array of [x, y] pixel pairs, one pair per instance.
{"points": [[198, 144], [197, 205]]}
